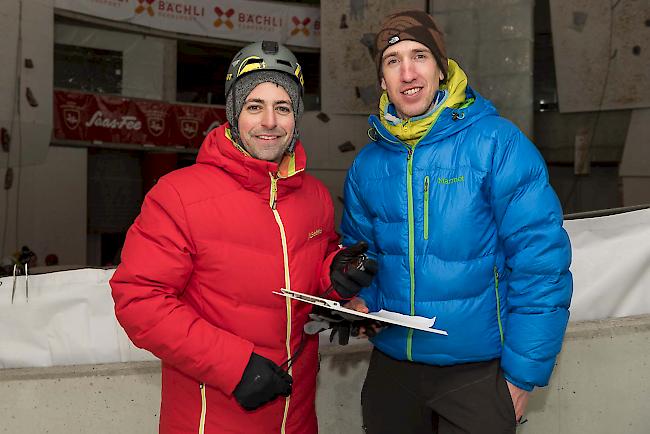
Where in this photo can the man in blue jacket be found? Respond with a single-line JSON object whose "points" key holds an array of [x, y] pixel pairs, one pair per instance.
{"points": [[455, 204]]}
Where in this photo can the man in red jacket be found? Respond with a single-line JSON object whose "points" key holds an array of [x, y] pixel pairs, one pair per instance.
{"points": [[212, 243]]}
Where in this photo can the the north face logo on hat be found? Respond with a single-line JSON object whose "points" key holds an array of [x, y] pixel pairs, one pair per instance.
{"points": [[393, 40]]}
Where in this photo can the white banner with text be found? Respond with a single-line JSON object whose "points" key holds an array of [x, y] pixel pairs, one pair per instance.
{"points": [[239, 20]]}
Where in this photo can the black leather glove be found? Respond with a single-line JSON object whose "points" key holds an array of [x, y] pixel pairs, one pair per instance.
{"points": [[351, 270], [342, 325], [262, 382]]}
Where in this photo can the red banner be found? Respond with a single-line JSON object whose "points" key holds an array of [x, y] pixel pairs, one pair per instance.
{"points": [[97, 118]]}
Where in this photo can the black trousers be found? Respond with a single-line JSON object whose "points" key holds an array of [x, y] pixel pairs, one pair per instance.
{"points": [[401, 397]]}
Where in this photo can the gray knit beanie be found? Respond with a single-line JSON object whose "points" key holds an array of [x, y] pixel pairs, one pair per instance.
{"points": [[245, 85]]}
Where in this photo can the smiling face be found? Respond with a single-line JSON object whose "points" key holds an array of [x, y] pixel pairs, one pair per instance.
{"points": [[410, 76], [266, 122]]}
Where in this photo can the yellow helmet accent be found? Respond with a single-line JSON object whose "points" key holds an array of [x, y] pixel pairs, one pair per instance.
{"points": [[249, 64], [298, 74], [264, 55]]}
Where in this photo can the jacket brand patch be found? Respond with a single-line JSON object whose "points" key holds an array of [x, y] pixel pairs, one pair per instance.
{"points": [[315, 233], [458, 179]]}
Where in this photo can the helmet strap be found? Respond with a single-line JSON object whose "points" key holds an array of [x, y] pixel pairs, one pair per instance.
{"points": [[294, 139]]}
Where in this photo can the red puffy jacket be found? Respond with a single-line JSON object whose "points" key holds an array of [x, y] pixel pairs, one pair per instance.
{"points": [[195, 286]]}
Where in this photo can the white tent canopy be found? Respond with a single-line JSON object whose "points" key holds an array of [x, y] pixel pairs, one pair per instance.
{"points": [[611, 265]]}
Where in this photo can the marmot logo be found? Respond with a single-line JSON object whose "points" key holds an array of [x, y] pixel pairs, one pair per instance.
{"points": [[461, 178]]}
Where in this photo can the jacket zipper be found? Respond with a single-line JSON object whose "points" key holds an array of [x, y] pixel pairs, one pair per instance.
{"points": [[204, 403], [287, 284], [496, 290], [274, 192], [426, 207], [409, 189]]}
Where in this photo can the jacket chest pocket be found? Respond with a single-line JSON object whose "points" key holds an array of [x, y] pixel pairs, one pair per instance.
{"points": [[457, 217], [455, 190]]}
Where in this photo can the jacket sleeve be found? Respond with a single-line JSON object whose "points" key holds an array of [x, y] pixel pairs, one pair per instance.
{"points": [[538, 255], [148, 287], [333, 247], [356, 226]]}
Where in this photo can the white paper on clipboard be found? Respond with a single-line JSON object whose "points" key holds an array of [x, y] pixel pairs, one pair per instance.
{"points": [[386, 316]]}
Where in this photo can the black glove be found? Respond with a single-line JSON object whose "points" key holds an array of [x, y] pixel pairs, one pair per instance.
{"points": [[367, 327], [262, 382], [322, 318], [351, 270], [342, 330], [354, 326]]}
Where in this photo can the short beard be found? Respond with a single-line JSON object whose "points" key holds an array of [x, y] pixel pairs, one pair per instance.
{"points": [[276, 157]]}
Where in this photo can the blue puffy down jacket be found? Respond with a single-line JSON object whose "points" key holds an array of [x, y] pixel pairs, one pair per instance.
{"points": [[465, 227]]}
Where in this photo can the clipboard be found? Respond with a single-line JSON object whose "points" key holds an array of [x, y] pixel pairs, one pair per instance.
{"points": [[414, 322]]}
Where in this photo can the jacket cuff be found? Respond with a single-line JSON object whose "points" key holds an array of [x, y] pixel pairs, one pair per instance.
{"points": [[524, 372], [326, 281], [237, 364], [525, 386]]}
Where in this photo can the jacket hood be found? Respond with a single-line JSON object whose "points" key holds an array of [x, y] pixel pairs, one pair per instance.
{"points": [[220, 151]]}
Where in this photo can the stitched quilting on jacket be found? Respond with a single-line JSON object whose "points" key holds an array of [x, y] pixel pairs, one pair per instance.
{"points": [[465, 227], [195, 286]]}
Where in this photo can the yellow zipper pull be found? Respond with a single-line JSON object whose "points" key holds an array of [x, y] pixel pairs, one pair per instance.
{"points": [[274, 191]]}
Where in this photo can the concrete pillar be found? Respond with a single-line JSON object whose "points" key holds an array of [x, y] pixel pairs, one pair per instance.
{"points": [[26, 85], [26, 80], [635, 164]]}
